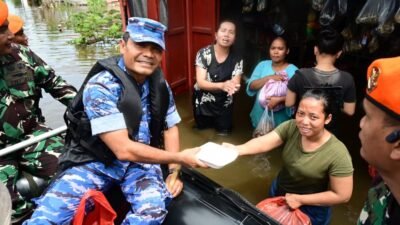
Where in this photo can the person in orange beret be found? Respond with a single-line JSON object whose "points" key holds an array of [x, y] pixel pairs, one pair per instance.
{"points": [[5, 35], [15, 25], [380, 141], [5, 41], [3, 12], [23, 77]]}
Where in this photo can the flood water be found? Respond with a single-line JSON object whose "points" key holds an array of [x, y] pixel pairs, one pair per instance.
{"points": [[42, 27], [250, 176]]}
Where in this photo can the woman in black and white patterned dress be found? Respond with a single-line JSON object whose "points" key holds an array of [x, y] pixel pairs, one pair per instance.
{"points": [[218, 73]]}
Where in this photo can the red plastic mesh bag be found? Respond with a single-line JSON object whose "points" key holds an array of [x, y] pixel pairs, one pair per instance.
{"points": [[278, 209], [94, 209]]}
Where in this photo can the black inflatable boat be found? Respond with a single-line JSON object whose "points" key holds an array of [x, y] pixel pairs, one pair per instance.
{"points": [[203, 202]]}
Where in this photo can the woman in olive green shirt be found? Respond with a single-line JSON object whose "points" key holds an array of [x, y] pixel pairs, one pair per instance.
{"points": [[317, 171]]}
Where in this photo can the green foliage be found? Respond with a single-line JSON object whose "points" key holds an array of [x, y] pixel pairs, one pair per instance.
{"points": [[97, 24]]}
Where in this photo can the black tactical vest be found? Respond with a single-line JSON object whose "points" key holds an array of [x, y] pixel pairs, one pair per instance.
{"points": [[81, 146]]}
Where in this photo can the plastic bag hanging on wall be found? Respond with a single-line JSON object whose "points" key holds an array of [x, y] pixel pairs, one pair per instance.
{"points": [[328, 13], [278, 19], [318, 4], [397, 15], [247, 5], [261, 5], [342, 7], [386, 17], [369, 13], [332, 12]]}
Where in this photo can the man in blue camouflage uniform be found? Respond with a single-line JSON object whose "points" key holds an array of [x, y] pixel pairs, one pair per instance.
{"points": [[135, 167], [380, 142], [22, 76]]}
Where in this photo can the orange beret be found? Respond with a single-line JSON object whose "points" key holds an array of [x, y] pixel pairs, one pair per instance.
{"points": [[383, 88], [15, 23], [3, 12]]}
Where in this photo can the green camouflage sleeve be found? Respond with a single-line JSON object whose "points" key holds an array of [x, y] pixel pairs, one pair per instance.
{"points": [[375, 210], [46, 78]]}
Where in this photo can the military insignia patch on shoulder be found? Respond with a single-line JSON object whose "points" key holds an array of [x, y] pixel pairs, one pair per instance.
{"points": [[373, 79]]}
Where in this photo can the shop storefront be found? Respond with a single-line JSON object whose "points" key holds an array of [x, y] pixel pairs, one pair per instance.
{"points": [[371, 29]]}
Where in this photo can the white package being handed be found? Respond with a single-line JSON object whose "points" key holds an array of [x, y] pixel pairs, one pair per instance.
{"points": [[216, 156]]}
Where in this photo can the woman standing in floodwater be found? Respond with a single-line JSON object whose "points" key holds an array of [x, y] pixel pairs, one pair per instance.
{"points": [[277, 68], [218, 72], [318, 170]]}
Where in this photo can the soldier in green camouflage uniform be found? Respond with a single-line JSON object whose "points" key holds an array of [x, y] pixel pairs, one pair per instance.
{"points": [[22, 76], [380, 142], [377, 210]]}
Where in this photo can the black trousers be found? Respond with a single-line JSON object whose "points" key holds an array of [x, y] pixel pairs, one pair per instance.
{"points": [[222, 123]]}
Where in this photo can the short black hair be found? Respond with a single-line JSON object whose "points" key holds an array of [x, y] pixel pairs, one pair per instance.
{"points": [[283, 37], [322, 95], [126, 36], [329, 41], [227, 20]]}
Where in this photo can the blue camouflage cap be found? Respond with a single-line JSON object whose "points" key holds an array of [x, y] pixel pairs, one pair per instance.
{"points": [[146, 30]]}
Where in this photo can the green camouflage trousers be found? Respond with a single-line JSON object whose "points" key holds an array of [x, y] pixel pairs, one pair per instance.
{"points": [[39, 159]]}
